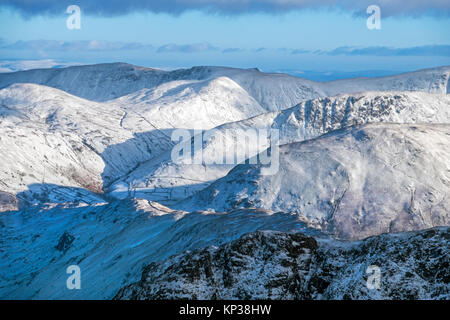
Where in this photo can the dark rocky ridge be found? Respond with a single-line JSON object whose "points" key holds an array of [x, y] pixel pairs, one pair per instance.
{"points": [[277, 265]]}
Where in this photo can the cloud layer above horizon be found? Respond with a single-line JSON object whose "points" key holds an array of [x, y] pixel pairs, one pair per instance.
{"points": [[231, 7], [100, 45]]}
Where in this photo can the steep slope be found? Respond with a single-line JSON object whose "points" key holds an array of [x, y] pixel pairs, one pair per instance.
{"points": [[161, 179], [275, 265], [354, 182], [110, 243]]}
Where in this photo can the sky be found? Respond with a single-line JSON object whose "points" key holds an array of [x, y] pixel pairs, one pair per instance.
{"points": [[301, 37]]}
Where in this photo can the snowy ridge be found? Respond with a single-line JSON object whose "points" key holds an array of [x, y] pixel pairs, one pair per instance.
{"points": [[272, 91], [163, 180], [191, 104], [21, 65], [93, 82], [433, 80], [353, 183], [53, 138]]}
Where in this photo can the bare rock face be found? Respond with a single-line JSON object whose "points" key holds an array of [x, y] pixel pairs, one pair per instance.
{"points": [[277, 265], [65, 242], [8, 202], [87, 178]]}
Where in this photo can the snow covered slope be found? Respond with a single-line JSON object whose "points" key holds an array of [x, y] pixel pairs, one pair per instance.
{"points": [[433, 80], [353, 183], [163, 180], [312, 118], [108, 81], [21, 65], [51, 137], [191, 104], [276, 265], [110, 243], [94, 144], [93, 82]]}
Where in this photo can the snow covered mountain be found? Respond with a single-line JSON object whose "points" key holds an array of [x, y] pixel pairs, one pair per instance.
{"points": [[21, 65], [93, 145], [353, 183], [109, 81], [83, 149], [201, 104], [51, 137], [163, 180], [272, 91], [124, 144], [285, 266]]}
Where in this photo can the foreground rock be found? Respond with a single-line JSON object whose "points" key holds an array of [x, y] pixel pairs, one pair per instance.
{"points": [[276, 265]]}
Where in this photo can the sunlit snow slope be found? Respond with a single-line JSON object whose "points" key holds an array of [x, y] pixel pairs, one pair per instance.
{"points": [[111, 119], [354, 182], [162, 179]]}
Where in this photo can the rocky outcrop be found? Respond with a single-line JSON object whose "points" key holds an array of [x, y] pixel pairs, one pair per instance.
{"points": [[276, 265], [8, 202]]}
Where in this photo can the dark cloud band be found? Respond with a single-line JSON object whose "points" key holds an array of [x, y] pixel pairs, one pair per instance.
{"points": [[232, 7]]}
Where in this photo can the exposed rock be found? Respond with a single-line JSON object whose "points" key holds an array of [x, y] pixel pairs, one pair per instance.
{"points": [[276, 265], [65, 242], [8, 202]]}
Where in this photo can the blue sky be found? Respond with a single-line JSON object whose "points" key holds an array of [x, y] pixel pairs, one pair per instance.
{"points": [[270, 35]]}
